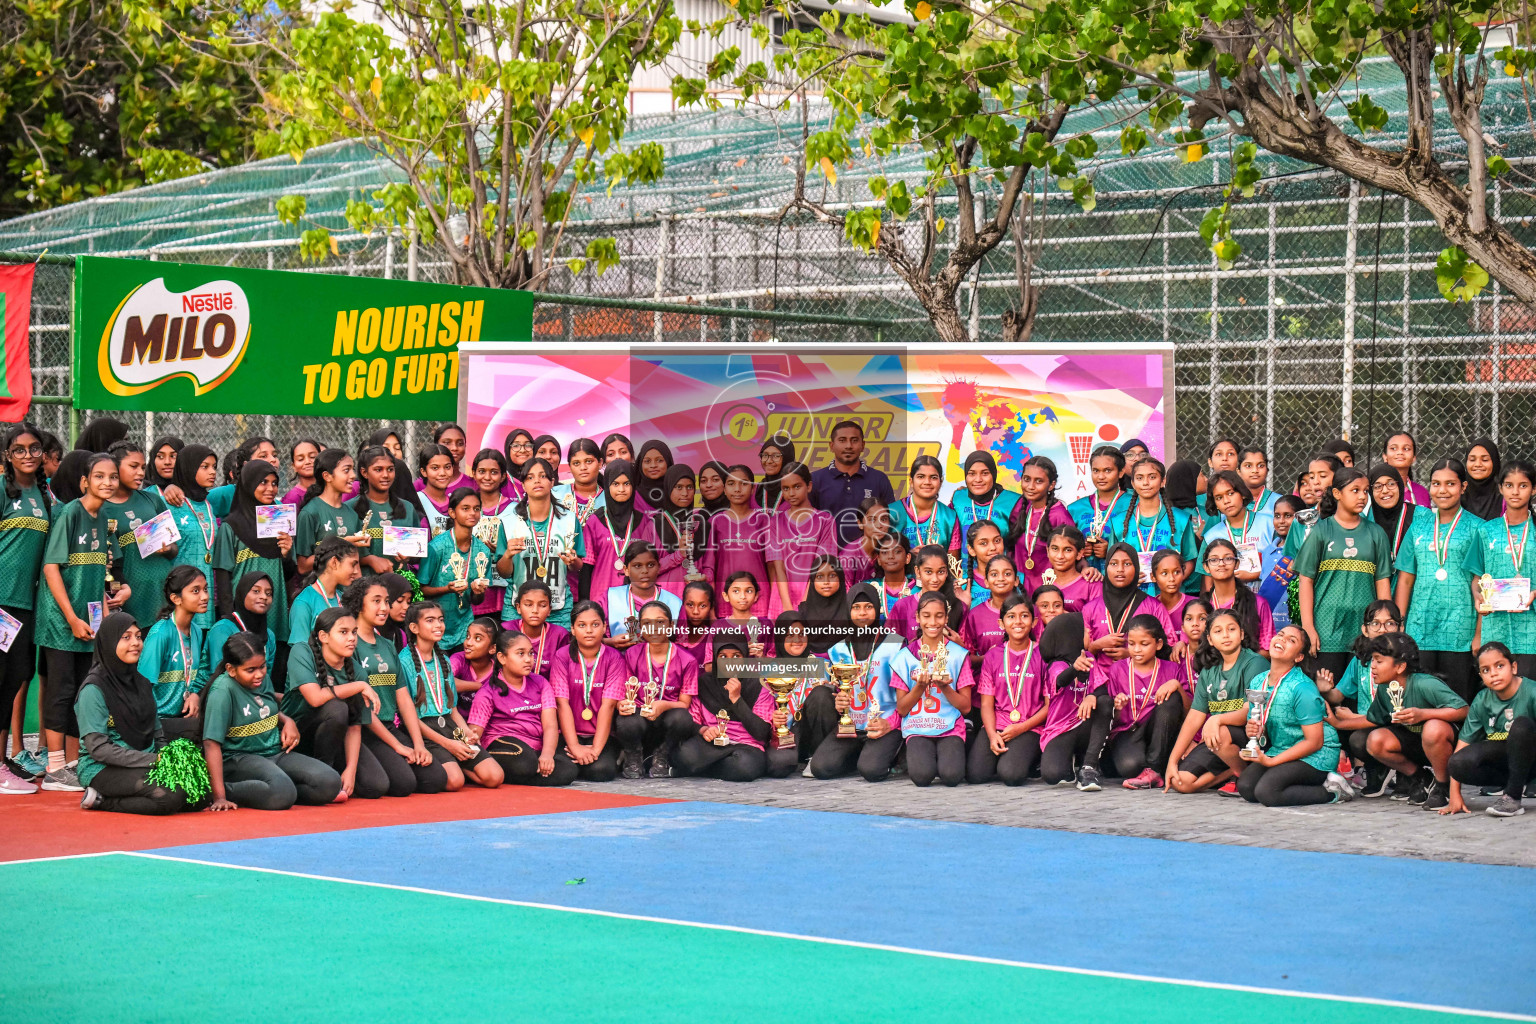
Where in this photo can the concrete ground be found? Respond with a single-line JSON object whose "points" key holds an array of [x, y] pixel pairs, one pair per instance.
{"points": [[1380, 827]]}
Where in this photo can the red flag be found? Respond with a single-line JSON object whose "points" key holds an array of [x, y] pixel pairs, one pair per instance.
{"points": [[16, 314]]}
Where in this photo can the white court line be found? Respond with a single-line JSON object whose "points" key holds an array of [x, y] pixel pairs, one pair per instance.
{"points": [[62, 856], [1364, 1000]]}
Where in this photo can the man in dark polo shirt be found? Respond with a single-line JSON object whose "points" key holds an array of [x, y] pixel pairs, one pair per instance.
{"points": [[840, 487]]}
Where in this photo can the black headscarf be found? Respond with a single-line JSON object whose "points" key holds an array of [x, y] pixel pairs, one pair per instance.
{"points": [[540, 442], [153, 477], [713, 695], [781, 632], [653, 491], [1181, 483], [986, 459], [253, 623], [1118, 599], [378, 437], [666, 507], [1386, 518], [826, 617], [768, 486], [1338, 445], [188, 459], [101, 434], [1062, 639], [618, 514], [514, 470], [401, 489], [242, 514], [713, 505], [1482, 497], [130, 698], [865, 639], [395, 587], [65, 483]]}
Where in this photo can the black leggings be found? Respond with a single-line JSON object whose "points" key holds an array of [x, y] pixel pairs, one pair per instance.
{"points": [[277, 783], [125, 790], [323, 736], [66, 671], [872, 759], [935, 757], [1456, 668], [520, 763], [17, 666], [1084, 743], [1149, 742], [735, 762], [604, 769], [671, 727], [1012, 765], [817, 720], [1292, 784], [1506, 762], [403, 777]]}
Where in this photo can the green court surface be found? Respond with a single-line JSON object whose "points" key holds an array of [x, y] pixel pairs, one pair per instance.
{"points": [[135, 938]]}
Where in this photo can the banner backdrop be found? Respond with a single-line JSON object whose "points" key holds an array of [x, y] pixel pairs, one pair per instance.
{"points": [[723, 402], [195, 338], [15, 327]]}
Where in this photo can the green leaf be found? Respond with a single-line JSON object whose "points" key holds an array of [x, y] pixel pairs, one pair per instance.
{"points": [[1457, 277], [290, 209]]}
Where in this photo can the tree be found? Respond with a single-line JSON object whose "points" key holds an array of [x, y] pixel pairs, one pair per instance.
{"points": [[984, 92], [495, 114], [97, 96]]}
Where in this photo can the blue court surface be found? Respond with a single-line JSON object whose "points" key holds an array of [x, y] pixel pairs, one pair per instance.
{"points": [[1376, 929]]}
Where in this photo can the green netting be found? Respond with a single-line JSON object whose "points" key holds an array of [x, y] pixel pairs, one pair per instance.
{"points": [[1264, 350]]}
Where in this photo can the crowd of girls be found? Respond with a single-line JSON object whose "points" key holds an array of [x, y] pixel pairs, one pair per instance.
{"points": [[594, 610]]}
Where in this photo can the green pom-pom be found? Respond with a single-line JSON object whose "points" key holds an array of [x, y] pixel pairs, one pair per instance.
{"points": [[181, 766], [410, 577]]}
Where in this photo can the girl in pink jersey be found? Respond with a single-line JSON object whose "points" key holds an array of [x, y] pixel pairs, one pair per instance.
{"points": [[1013, 702], [513, 719]]}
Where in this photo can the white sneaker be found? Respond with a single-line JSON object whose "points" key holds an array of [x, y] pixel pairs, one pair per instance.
{"points": [[1339, 786], [12, 784], [90, 800]]}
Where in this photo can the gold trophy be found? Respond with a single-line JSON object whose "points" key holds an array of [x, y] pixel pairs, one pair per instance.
{"points": [[721, 718], [632, 627], [956, 570], [652, 691], [1395, 693], [843, 677], [1485, 584], [459, 566], [464, 738], [482, 561], [631, 688], [782, 687]]}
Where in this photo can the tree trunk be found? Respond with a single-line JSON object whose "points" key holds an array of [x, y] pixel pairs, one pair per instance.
{"points": [[945, 316]]}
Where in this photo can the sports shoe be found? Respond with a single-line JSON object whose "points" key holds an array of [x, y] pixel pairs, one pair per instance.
{"points": [[1437, 795], [1530, 790], [1148, 779], [807, 773], [1088, 780], [31, 765], [1403, 786], [1230, 789], [1505, 806], [631, 765], [91, 799], [660, 767], [1339, 786], [62, 781], [1421, 780], [12, 784], [1377, 779]]}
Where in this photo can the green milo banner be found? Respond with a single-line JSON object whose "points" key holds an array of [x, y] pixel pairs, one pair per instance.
{"points": [[180, 337]]}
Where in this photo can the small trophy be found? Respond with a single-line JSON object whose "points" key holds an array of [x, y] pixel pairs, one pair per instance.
{"points": [[652, 691], [938, 668], [482, 562], [1096, 531], [464, 738], [721, 719], [842, 678], [459, 566], [1255, 696], [685, 543], [1484, 583], [956, 569], [631, 689], [1395, 692], [632, 627], [782, 687]]}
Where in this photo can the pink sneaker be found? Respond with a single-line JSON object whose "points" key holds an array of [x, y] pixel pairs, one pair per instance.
{"points": [[12, 784], [1148, 779]]}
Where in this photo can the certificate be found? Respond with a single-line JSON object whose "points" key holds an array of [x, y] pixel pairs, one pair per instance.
{"points": [[1248, 559], [156, 534], [10, 626], [405, 541], [1505, 595], [275, 520]]}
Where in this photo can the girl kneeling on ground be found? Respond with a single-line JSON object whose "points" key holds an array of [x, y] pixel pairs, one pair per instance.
{"points": [[1299, 749], [513, 718], [932, 680], [740, 711], [249, 744], [430, 679]]}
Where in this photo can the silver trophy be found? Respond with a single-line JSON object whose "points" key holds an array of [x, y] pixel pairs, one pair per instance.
{"points": [[1255, 714]]}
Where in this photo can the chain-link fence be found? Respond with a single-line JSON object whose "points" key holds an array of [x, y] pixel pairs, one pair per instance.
{"points": [[1330, 322]]}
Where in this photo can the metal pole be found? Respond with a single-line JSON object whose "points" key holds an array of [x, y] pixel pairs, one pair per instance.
{"points": [[980, 208], [1351, 245], [1498, 333], [1271, 318], [389, 255], [661, 273]]}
